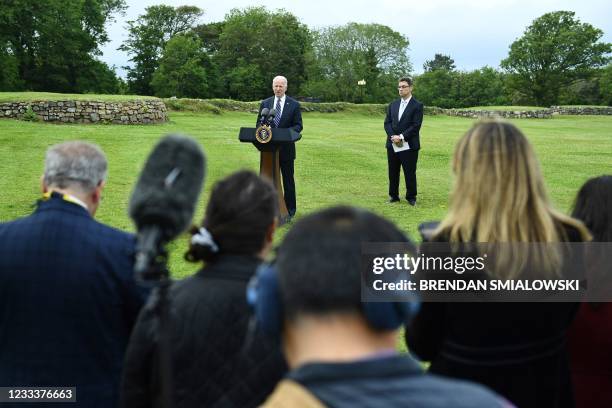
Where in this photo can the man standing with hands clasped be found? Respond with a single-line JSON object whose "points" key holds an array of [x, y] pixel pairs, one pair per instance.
{"points": [[402, 125]]}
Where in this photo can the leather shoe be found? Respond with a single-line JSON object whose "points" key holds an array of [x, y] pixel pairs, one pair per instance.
{"points": [[394, 200], [412, 201]]}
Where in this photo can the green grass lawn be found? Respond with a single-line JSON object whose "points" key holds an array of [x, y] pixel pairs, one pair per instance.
{"points": [[341, 159], [50, 96]]}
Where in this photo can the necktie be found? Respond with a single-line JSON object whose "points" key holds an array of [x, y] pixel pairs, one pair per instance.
{"points": [[277, 116], [402, 108]]}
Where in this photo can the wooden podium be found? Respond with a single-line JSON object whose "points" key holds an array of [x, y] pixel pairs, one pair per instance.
{"points": [[269, 159]]}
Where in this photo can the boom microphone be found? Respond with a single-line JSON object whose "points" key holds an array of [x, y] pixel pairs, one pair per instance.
{"points": [[263, 115], [165, 196]]}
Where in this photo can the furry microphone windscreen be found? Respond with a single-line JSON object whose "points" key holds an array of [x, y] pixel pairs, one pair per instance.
{"points": [[169, 185]]}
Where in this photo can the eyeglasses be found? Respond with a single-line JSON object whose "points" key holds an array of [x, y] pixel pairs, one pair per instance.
{"points": [[403, 86]]}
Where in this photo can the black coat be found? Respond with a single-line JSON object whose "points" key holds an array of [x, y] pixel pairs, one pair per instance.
{"points": [[408, 125], [517, 349], [211, 365]]}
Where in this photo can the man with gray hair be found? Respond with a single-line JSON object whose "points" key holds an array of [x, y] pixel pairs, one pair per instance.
{"points": [[288, 115], [68, 300]]}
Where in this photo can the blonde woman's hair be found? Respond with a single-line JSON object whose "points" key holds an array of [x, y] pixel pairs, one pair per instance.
{"points": [[499, 197]]}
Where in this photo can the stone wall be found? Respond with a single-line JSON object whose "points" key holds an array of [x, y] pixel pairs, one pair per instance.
{"points": [[581, 110], [473, 113], [219, 105], [123, 113], [530, 114]]}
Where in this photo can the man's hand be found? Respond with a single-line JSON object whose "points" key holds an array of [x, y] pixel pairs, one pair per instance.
{"points": [[396, 139]]}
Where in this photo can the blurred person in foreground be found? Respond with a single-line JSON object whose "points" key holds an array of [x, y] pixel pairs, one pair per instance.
{"points": [[517, 349], [214, 362], [590, 337], [341, 350], [68, 300]]}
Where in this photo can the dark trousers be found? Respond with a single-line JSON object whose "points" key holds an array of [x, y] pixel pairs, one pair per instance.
{"points": [[407, 160], [286, 168]]}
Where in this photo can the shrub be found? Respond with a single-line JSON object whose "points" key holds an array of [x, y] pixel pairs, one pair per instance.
{"points": [[30, 115], [191, 105]]}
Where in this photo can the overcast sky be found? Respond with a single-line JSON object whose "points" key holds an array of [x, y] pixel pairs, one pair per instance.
{"points": [[474, 33]]}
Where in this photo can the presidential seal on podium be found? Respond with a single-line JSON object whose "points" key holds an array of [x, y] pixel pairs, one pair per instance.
{"points": [[263, 134]]}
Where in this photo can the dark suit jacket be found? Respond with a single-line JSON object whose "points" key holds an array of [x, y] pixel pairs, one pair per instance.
{"points": [[291, 118], [67, 302], [408, 125]]}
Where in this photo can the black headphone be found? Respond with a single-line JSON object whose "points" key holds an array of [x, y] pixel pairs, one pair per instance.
{"points": [[263, 294]]}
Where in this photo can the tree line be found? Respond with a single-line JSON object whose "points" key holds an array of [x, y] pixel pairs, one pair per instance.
{"points": [[51, 47]]}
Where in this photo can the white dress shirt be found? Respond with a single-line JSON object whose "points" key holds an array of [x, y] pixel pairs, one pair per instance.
{"points": [[403, 104]]}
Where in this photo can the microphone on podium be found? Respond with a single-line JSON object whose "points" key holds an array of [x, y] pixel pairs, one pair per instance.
{"points": [[263, 115], [271, 115]]}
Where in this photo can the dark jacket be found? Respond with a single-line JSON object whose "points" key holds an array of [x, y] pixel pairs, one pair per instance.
{"points": [[212, 366], [408, 125], [590, 348], [68, 302], [396, 381], [291, 118], [517, 348]]}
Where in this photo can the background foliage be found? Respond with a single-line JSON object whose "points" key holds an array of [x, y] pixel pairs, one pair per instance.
{"points": [[47, 46]]}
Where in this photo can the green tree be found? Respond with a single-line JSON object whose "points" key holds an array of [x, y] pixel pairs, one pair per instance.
{"points": [[102, 79], [480, 87], [344, 55], [581, 92], [461, 89], [53, 44], [437, 88], [605, 85], [440, 61], [182, 69], [210, 35], [555, 50], [255, 45], [9, 74], [147, 37]]}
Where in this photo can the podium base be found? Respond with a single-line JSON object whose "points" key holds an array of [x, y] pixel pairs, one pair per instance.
{"points": [[269, 167]]}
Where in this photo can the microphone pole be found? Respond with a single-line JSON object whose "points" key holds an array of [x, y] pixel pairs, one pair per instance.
{"points": [[162, 310], [162, 205], [154, 270], [151, 268]]}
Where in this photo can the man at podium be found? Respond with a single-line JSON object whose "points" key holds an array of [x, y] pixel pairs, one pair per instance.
{"points": [[288, 115]]}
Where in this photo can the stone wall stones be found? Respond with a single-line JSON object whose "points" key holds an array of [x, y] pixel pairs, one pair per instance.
{"points": [[474, 113], [530, 114], [581, 110], [123, 113], [146, 111]]}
